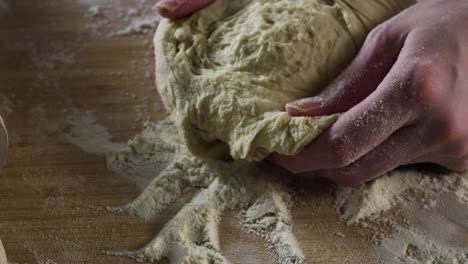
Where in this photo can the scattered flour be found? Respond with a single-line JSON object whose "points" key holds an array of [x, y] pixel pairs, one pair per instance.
{"points": [[90, 136], [139, 25], [434, 207], [191, 237], [410, 246], [119, 19], [368, 201], [94, 11], [142, 19]]}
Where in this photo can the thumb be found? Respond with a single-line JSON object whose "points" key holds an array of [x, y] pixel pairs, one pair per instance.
{"points": [[358, 80], [175, 9]]}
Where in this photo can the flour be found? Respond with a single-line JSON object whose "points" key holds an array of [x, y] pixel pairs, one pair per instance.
{"points": [[138, 25], [368, 201], [434, 209], [410, 246], [224, 186], [90, 136], [120, 19], [94, 11], [159, 157]]}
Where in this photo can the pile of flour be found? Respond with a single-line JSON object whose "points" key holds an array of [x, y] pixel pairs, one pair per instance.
{"points": [[428, 228], [158, 158]]}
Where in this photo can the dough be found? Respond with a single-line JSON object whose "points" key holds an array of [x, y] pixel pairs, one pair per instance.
{"points": [[225, 73]]}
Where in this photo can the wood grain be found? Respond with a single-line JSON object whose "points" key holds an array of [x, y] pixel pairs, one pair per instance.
{"points": [[53, 195]]}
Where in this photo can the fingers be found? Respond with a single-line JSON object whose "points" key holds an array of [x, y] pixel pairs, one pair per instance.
{"points": [[175, 9], [361, 78], [359, 130], [399, 149]]}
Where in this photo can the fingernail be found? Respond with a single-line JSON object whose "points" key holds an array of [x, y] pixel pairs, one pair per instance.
{"points": [[306, 106], [170, 5], [295, 107]]}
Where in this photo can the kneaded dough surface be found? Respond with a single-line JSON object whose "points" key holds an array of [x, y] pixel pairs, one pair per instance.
{"points": [[226, 73]]}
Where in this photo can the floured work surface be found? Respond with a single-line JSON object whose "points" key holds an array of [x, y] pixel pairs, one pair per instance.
{"points": [[71, 71], [52, 194]]}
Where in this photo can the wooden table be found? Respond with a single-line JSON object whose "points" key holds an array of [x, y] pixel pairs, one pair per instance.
{"points": [[52, 194]]}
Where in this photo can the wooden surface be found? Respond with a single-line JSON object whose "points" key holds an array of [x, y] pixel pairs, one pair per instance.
{"points": [[52, 195]]}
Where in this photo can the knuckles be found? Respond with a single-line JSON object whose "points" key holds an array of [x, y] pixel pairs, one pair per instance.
{"points": [[428, 81], [383, 35], [454, 129]]}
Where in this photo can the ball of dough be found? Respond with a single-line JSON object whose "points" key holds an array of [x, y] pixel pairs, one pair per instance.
{"points": [[226, 73]]}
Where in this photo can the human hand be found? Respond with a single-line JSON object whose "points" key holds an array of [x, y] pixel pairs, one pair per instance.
{"points": [[404, 100], [175, 9]]}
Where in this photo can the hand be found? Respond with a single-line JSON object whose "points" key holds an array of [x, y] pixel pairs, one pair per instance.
{"points": [[175, 9], [404, 99]]}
